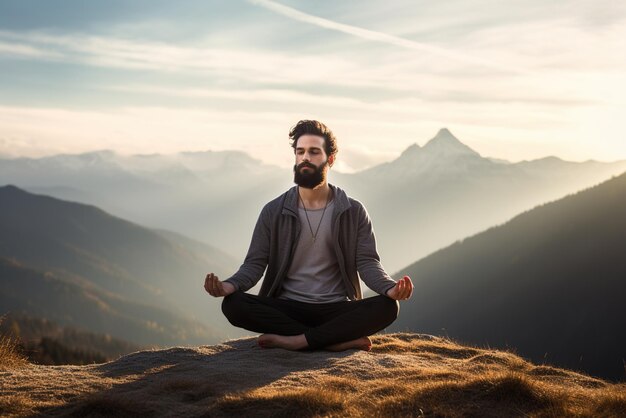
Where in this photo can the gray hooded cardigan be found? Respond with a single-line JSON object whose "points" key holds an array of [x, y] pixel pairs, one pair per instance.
{"points": [[276, 234]]}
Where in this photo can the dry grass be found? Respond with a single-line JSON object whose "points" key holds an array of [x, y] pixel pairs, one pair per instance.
{"points": [[404, 375], [11, 359], [10, 355], [15, 404]]}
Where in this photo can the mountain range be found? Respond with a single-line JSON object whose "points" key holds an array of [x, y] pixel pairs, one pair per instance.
{"points": [[431, 196], [420, 202], [80, 266], [549, 284]]}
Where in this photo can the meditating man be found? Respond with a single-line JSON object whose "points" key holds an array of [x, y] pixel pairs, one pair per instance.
{"points": [[315, 242]]}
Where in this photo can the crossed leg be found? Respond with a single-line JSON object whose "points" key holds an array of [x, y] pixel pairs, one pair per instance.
{"points": [[296, 325]]}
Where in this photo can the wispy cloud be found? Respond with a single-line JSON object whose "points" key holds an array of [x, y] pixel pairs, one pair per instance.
{"points": [[452, 92], [24, 50], [398, 71], [386, 38], [248, 95], [236, 64]]}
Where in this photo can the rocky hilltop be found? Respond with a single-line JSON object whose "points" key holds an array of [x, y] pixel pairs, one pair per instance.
{"points": [[403, 375]]}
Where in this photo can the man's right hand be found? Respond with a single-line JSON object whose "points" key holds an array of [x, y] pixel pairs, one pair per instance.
{"points": [[216, 288]]}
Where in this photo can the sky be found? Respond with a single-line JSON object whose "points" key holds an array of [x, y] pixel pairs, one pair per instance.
{"points": [[514, 80]]}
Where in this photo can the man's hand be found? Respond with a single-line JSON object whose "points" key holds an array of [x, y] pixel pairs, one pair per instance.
{"points": [[402, 290], [216, 288]]}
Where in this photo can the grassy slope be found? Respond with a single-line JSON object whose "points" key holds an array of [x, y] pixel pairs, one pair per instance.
{"points": [[548, 283], [403, 375]]}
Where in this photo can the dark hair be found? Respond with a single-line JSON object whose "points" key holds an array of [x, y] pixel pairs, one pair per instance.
{"points": [[314, 127]]}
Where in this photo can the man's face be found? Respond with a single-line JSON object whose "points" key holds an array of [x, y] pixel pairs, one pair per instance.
{"points": [[311, 161]]}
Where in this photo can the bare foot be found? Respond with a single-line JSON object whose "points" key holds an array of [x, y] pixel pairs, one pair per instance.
{"points": [[363, 343], [288, 342]]}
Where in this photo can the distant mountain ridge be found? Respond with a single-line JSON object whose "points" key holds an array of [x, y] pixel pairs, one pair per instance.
{"points": [[441, 157], [129, 268], [549, 283], [431, 196], [423, 200]]}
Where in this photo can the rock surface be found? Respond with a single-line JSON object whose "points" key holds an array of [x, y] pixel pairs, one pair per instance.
{"points": [[403, 375]]}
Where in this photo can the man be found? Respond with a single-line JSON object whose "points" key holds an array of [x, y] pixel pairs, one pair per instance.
{"points": [[313, 240]]}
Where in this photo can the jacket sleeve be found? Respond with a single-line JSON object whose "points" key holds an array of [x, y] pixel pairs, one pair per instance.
{"points": [[367, 259], [257, 258]]}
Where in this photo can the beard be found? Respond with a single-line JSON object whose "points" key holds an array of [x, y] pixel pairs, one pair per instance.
{"points": [[312, 178]]}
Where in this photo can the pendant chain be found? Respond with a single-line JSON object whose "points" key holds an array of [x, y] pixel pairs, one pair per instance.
{"points": [[314, 236]]}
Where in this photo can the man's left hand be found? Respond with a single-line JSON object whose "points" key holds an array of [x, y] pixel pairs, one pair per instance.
{"points": [[402, 290]]}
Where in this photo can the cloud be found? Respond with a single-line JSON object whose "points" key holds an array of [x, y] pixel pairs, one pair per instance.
{"points": [[386, 38], [384, 129], [27, 51], [248, 95], [546, 47], [235, 64], [444, 91]]}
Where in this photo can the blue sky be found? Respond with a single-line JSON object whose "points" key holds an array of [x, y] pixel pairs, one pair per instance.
{"points": [[514, 80]]}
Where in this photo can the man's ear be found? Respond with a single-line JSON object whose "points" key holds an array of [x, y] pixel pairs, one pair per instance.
{"points": [[331, 160]]}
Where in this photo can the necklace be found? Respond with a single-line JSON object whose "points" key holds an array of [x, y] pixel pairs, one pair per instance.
{"points": [[314, 235]]}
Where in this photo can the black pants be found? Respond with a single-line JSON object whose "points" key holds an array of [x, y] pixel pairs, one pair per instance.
{"points": [[322, 324]]}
